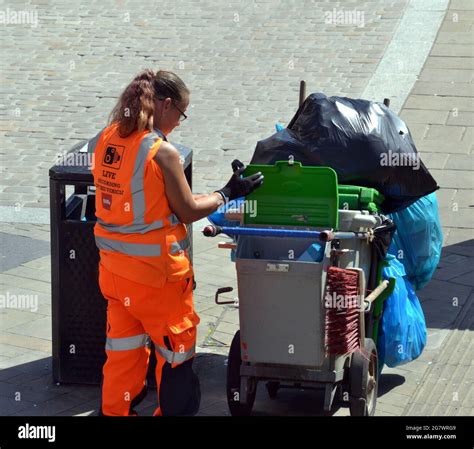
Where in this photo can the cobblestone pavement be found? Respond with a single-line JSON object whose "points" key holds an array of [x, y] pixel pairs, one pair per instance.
{"points": [[242, 60]]}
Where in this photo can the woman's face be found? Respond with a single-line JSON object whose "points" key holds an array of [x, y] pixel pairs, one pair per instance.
{"points": [[168, 113]]}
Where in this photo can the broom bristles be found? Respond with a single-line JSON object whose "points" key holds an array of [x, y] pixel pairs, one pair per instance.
{"points": [[342, 330]]}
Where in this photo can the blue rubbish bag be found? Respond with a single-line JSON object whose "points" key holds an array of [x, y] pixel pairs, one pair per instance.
{"points": [[418, 240], [403, 330]]}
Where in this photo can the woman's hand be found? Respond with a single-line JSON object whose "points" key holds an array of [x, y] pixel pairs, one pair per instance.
{"points": [[238, 186]]}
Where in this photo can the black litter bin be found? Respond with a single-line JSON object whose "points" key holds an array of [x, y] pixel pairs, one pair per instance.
{"points": [[78, 307]]}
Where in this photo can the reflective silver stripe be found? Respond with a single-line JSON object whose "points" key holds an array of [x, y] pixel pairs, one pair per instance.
{"points": [[131, 249], [131, 229], [138, 177], [126, 343], [173, 219], [138, 228], [175, 357], [93, 142], [181, 245]]}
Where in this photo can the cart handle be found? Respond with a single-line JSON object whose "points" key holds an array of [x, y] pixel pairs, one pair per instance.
{"points": [[323, 236], [220, 291]]}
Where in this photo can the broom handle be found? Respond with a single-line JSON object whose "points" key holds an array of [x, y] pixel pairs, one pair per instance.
{"points": [[382, 286], [302, 92]]}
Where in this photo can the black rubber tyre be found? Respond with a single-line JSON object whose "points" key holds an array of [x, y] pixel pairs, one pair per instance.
{"points": [[233, 382], [363, 380]]}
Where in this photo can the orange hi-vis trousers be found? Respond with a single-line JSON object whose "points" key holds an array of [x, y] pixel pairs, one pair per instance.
{"points": [[136, 313]]}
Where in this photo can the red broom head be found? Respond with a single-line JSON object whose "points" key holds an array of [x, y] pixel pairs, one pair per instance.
{"points": [[342, 305]]}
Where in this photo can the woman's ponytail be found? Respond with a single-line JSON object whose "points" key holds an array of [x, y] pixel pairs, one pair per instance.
{"points": [[136, 106]]}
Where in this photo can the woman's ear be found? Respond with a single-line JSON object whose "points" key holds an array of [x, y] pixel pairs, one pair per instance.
{"points": [[167, 103]]}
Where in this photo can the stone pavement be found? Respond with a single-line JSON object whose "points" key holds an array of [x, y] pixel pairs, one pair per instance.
{"points": [[440, 111], [243, 62]]}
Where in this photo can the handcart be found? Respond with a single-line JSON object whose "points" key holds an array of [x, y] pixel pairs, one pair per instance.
{"points": [[310, 290]]}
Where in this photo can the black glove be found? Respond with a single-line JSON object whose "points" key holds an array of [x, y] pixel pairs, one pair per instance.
{"points": [[237, 186]]}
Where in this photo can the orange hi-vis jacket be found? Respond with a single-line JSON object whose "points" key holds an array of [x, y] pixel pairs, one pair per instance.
{"points": [[138, 235]]}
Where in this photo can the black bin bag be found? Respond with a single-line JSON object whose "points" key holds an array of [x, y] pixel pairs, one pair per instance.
{"points": [[365, 142]]}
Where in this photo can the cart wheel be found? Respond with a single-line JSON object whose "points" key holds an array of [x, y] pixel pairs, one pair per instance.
{"points": [[342, 395], [363, 381], [233, 382], [272, 389]]}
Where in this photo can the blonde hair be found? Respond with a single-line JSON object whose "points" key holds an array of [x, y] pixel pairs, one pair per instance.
{"points": [[136, 105]]}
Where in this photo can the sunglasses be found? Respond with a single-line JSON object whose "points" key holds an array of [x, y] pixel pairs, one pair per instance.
{"points": [[182, 116]]}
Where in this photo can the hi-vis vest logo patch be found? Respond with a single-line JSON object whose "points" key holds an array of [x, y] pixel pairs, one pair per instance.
{"points": [[113, 156], [106, 201]]}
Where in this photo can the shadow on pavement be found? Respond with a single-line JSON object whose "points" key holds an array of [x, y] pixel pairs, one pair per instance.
{"points": [[388, 382], [450, 289]]}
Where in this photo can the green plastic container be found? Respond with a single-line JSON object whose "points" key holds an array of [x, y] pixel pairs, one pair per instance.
{"points": [[359, 198], [288, 196], [297, 195]]}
